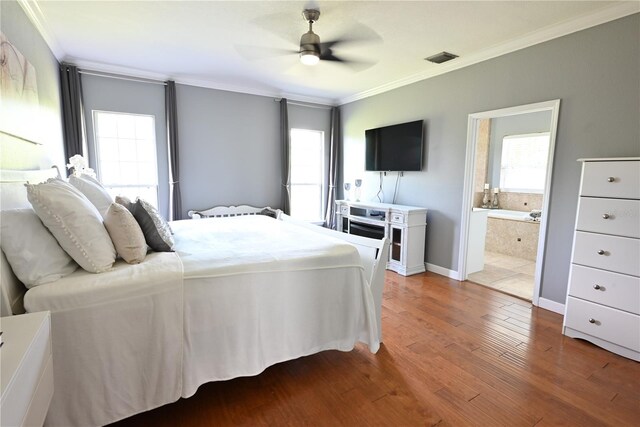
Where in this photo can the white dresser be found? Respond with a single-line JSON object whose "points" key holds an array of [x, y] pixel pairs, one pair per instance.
{"points": [[603, 301], [27, 369]]}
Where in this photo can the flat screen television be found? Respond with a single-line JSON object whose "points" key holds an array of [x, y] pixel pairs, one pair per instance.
{"points": [[394, 148]]}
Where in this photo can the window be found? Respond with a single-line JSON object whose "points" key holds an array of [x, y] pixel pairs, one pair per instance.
{"points": [[524, 162], [307, 155], [126, 154]]}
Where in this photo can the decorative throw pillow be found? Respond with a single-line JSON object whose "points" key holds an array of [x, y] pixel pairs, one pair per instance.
{"points": [[269, 212], [156, 229], [125, 233], [126, 202], [33, 253], [94, 191], [74, 222]]}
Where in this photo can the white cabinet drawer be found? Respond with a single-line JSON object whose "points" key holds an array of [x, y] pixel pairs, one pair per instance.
{"points": [[602, 322], [397, 217], [609, 216], [613, 253], [619, 179], [344, 210], [604, 287]]}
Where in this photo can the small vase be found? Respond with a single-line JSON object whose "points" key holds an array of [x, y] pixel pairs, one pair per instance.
{"points": [[347, 187]]}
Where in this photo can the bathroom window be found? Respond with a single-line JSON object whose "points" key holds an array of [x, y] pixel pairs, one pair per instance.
{"points": [[524, 162]]}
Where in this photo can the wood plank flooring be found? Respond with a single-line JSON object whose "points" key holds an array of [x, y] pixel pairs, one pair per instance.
{"points": [[454, 354]]}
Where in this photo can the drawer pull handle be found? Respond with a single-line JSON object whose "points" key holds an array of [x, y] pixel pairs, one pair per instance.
{"points": [[592, 320], [597, 287], [611, 179], [601, 252], [606, 216]]}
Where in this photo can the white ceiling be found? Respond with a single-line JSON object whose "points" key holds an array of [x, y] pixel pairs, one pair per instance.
{"points": [[233, 45]]}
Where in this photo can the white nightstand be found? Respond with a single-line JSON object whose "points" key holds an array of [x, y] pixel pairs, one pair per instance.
{"points": [[27, 369]]}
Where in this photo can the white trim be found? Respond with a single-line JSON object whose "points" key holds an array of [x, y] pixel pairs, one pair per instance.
{"points": [[615, 11], [452, 274], [550, 305], [35, 15], [126, 72], [472, 127]]}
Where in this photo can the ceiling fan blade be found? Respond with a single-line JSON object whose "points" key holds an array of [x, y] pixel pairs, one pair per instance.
{"points": [[354, 64]]}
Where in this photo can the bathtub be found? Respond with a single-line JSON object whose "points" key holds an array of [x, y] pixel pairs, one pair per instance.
{"points": [[508, 214]]}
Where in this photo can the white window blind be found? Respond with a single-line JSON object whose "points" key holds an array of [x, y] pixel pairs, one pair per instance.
{"points": [[126, 154], [307, 174], [524, 163]]}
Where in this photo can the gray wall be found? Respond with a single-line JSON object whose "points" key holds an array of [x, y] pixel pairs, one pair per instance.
{"points": [[512, 125], [229, 148], [21, 33], [594, 72], [124, 96]]}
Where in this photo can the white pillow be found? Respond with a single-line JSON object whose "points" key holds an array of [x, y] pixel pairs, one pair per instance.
{"points": [[94, 191], [125, 234], [33, 253], [74, 222]]}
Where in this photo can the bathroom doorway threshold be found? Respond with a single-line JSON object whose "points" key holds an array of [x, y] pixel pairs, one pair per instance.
{"points": [[507, 274]]}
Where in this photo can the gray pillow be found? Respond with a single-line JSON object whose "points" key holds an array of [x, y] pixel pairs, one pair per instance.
{"points": [[156, 229]]}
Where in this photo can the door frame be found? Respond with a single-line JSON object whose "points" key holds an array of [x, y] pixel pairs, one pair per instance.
{"points": [[467, 200]]}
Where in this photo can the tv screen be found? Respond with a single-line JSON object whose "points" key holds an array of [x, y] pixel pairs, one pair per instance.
{"points": [[394, 148]]}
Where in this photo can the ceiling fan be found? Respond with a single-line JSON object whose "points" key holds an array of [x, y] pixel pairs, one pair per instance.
{"points": [[311, 49]]}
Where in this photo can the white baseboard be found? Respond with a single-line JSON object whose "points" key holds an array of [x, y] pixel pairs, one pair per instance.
{"points": [[442, 271], [547, 304]]}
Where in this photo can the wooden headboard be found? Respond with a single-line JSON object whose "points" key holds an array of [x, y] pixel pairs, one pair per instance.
{"points": [[13, 195]]}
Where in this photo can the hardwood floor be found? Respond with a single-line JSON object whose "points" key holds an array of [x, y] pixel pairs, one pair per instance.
{"points": [[454, 354]]}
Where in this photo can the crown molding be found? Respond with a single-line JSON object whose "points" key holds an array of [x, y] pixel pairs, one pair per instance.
{"points": [[616, 11], [35, 15], [117, 70]]}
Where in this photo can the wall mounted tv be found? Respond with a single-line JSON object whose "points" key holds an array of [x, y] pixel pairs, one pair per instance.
{"points": [[394, 148]]}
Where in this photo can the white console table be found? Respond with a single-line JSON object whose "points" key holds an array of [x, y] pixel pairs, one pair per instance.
{"points": [[404, 226]]}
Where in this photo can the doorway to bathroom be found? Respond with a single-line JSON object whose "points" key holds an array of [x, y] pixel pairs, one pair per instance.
{"points": [[506, 195]]}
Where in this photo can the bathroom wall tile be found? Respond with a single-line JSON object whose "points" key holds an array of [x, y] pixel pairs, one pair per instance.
{"points": [[503, 234]]}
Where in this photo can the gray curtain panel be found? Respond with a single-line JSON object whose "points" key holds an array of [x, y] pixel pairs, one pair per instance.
{"points": [[332, 179], [171, 112], [286, 161], [72, 110]]}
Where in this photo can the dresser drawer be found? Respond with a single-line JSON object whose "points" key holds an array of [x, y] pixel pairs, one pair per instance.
{"points": [[613, 253], [397, 217], [602, 322], [604, 287], [619, 179], [609, 216]]}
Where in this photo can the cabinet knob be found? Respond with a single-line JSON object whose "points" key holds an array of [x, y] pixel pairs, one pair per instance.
{"points": [[606, 216], [597, 287], [592, 320], [611, 179], [601, 252]]}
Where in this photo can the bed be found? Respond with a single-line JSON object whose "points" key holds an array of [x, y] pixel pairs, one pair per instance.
{"points": [[238, 295]]}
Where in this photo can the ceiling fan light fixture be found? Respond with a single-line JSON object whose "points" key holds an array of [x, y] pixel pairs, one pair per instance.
{"points": [[309, 57], [309, 48]]}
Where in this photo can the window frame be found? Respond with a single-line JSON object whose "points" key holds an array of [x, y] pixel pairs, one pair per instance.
{"points": [[98, 163], [323, 172], [525, 190]]}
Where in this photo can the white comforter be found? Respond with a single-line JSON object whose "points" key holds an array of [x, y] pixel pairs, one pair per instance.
{"points": [[239, 295]]}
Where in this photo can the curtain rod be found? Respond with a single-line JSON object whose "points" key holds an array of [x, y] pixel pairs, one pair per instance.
{"points": [[121, 77], [304, 104]]}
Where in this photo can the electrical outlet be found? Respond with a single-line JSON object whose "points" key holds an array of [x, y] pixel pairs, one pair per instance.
{"points": [[519, 239]]}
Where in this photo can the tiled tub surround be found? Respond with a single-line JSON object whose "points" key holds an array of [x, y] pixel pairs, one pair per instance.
{"points": [[512, 201], [513, 237]]}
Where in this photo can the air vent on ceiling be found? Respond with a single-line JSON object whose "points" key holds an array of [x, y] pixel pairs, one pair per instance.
{"points": [[441, 57]]}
